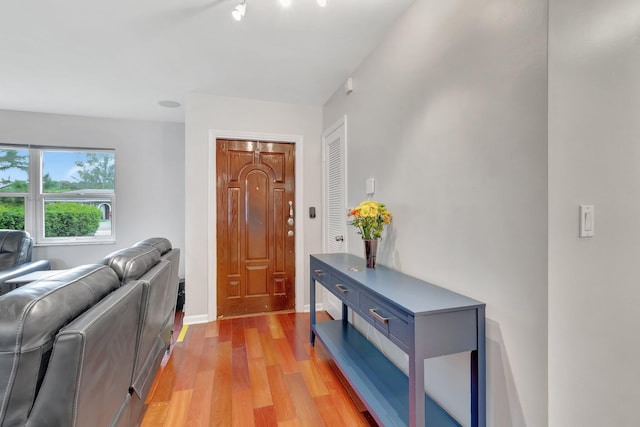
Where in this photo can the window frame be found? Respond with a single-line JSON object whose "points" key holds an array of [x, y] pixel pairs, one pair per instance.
{"points": [[36, 198]]}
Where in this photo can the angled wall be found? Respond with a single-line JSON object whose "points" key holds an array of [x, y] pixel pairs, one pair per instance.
{"points": [[449, 115]]}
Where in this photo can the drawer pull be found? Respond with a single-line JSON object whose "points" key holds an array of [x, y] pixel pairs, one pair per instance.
{"points": [[341, 289], [319, 272], [375, 314]]}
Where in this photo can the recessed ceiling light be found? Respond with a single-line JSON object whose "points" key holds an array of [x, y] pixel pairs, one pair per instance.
{"points": [[323, 3], [169, 104], [285, 3]]}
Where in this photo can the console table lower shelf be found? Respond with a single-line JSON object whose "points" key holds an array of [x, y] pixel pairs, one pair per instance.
{"points": [[380, 384]]}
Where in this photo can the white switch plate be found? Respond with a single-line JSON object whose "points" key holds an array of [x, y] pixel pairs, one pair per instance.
{"points": [[587, 220], [370, 186]]}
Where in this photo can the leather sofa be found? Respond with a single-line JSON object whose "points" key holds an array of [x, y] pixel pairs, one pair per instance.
{"points": [[15, 257], [82, 347]]}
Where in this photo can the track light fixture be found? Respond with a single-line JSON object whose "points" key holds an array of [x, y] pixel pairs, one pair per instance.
{"points": [[239, 11]]}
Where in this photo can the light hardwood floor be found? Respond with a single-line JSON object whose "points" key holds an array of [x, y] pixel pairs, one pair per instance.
{"points": [[252, 371]]}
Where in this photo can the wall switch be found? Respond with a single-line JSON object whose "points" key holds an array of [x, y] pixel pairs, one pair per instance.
{"points": [[312, 212], [587, 220], [370, 186]]}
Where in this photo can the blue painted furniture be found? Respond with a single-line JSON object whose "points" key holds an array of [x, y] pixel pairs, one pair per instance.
{"points": [[424, 320]]}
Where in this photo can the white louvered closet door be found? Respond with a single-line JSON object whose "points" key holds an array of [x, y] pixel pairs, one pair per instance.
{"points": [[335, 177], [335, 225]]}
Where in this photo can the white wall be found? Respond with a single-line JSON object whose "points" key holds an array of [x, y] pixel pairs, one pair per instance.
{"points": [[594, 158], [205, 113], [149, 175], [449, 115]]}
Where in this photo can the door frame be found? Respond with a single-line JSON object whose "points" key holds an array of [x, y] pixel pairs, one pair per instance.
{"points": [[328, 301], [212, 270]]}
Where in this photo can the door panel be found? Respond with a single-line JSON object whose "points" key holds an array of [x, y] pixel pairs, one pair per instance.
{"points": [[256, 259]]}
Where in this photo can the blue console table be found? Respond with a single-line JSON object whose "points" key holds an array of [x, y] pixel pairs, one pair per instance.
{"points": [[424, 320]]}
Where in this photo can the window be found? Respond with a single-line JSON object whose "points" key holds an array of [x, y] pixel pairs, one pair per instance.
{"points": [[59, 196]]}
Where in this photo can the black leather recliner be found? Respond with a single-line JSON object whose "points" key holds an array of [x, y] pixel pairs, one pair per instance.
{"points": [[15, 257]]}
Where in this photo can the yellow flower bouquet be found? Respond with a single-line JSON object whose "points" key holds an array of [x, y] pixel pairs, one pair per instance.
{"points": [[369, 217]]}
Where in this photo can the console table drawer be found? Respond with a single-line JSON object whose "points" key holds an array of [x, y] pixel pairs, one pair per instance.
{"points": [[390, 321]]}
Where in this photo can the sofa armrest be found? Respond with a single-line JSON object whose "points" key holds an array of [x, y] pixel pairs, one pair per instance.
{"points": [[22, 269]]}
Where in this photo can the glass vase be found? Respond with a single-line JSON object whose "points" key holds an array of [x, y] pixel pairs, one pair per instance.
{"points": [[370, 250]]}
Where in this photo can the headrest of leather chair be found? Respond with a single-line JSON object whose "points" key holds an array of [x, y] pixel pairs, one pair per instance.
{"points": [[160, 243], [15, 248], [131, 263], [31, 315]]}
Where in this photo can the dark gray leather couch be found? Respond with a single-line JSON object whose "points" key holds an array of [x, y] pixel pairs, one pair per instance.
{"points": [[15, 257], [168, 253], [81, 348]]}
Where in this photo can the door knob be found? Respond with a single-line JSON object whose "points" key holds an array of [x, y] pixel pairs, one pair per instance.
{"points": [[339, 238], [290, 233]]}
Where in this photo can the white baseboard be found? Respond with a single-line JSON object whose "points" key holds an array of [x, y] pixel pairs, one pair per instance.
{"points": [[195, 319], [319, 307]]}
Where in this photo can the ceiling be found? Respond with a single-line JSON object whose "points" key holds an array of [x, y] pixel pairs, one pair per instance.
{"points": [[119, 58]]}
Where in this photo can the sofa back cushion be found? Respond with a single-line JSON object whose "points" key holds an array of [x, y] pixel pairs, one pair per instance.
{"points": [[151, 347], [173, 256], [132, 263], [90, 369], [15, 248], [30, 318]]}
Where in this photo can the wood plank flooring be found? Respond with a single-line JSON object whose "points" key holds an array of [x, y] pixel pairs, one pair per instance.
{"points": [[252, 371]]}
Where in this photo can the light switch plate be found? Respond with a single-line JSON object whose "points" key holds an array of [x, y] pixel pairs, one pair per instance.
{"points": [[587, 220], [370, 186]]}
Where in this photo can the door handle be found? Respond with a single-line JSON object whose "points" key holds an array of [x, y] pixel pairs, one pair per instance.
{"points": [[339, 238], [290, 221]]}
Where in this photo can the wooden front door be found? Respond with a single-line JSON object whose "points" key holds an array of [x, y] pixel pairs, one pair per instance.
{"points": [[255, 226]]}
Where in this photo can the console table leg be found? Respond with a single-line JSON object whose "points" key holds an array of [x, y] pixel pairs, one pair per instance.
{"points": [[312, 311], [416, 391], [474, 388], [479, 375]]}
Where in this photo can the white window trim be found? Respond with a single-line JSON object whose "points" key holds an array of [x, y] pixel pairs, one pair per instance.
{"points": [[42, 240], [35, 200]]}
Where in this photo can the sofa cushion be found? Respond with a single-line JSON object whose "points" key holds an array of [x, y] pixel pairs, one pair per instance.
{"points": [[30, 318], [160, 243], [131, 263]]}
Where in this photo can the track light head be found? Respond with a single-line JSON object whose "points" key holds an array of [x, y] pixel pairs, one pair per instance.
{"points": [[239, 11]]}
